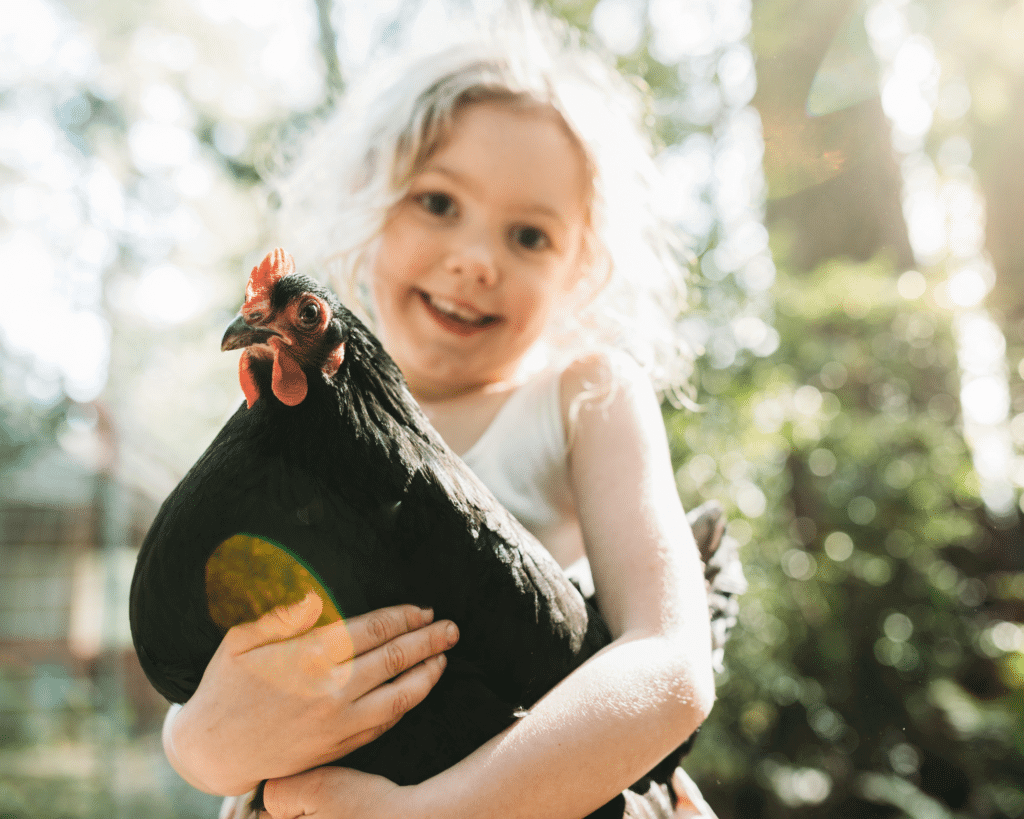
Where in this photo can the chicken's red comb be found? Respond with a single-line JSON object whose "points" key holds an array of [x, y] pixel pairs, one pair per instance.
{"points": [[277, 264]]}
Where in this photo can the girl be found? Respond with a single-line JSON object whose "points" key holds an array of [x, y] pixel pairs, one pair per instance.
{"points": [[489, 203]]}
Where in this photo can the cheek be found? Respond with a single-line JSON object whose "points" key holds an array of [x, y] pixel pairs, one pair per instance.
{"points": [[403, 244], [390, 271], [384, 261], [535, 313], [550, 298], [385, 301]]}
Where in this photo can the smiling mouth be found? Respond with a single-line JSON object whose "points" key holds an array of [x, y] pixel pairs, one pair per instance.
{"points": [[457, 317]]}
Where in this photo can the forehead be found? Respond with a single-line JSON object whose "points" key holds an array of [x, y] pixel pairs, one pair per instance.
{"points": [[515, 148]]}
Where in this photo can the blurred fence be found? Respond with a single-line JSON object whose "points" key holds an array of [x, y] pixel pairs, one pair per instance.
{"points": [[79, 723]]}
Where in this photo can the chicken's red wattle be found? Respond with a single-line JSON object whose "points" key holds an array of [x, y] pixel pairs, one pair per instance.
{"points": [[288, 380]]}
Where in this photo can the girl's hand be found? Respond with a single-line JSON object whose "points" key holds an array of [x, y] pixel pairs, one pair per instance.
{"points": [[333, 793], [280, 697]]}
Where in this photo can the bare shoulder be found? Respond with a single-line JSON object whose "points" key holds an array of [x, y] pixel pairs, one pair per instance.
{"points": [[599, 379], [606, 367]]}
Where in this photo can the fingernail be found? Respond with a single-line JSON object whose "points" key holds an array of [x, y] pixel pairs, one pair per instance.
{"points": [[442, 660], [428, 613], [451, 634]]}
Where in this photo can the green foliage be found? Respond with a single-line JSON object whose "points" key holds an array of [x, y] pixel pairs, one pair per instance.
{"points": [[860, 675]]}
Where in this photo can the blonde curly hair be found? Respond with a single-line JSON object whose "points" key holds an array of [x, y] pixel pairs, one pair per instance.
{"points": [[360, 160]]}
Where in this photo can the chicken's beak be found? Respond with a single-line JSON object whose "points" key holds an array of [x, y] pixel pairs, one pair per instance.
{"points": [[241, 334]]}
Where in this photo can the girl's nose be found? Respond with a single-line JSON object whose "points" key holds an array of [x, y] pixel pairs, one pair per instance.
{"points": [[474, 258]]}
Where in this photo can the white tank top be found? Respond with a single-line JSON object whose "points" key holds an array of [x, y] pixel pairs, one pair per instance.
{"points": [[522, 457]]}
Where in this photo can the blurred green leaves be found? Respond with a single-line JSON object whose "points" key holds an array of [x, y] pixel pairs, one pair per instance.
{"points": [[869, 657]]}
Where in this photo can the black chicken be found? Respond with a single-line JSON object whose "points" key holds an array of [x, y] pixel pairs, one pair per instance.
{"points": [[330, 478]]}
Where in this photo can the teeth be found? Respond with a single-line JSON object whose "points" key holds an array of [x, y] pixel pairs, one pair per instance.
{"points": [[456, 311]]}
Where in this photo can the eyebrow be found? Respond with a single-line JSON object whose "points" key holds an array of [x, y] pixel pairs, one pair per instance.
{"points": [[463, 181]]}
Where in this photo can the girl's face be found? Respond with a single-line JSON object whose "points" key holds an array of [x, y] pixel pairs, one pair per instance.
{"points": [[483, 250]]}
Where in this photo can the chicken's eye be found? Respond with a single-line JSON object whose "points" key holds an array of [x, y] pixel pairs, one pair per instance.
{"points": [[309, 313]]}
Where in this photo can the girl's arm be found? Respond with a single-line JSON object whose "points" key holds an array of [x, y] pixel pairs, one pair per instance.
{"points": [[328, 690], [620, 713]]}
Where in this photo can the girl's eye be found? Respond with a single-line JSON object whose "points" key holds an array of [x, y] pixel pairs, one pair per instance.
{"points": [[439, 204], [530, 238], [309, 313]]}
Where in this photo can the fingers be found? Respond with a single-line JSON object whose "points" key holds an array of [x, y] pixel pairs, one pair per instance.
{"points": [[334, 792], [375, 628], [277, 624], [371, 669], [379, 703], [357, 657], [384, 706], [383, 683], [344, 640], [284, 798]]}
